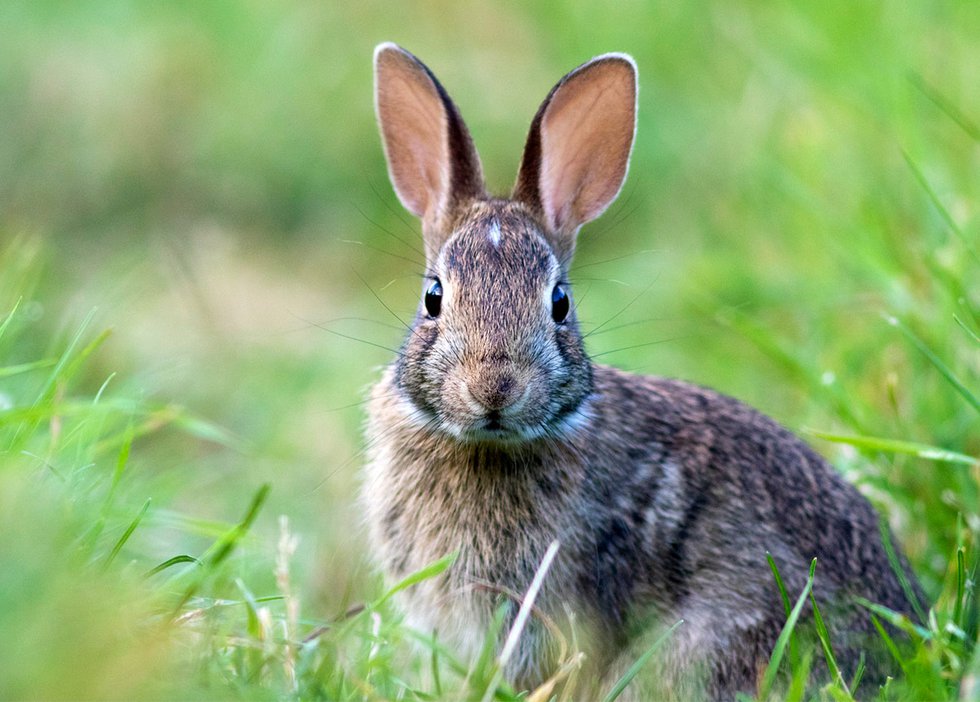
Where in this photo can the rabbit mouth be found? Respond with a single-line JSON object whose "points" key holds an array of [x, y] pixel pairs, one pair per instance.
{"points": [[492, 422], [493, 427]]}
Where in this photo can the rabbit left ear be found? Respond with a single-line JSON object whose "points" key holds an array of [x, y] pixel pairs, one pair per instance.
{"points": [[578, 147], [432, 162]]}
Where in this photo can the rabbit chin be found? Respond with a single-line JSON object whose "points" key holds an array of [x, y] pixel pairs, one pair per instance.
{"points": [[494, 432], [515, 429]]}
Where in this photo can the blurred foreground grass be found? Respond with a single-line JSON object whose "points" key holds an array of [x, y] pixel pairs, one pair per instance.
{"points": [[800, 229]]}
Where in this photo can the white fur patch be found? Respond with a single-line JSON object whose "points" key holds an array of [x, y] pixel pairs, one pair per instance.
{"points": [[494, 233], [665, 509]]}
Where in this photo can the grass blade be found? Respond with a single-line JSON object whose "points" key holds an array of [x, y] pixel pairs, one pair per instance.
{"points": [[780, 648], [960, 587], [937, 362], [429, 571], [787, 605], [226, 544], [874, 443], [520, 621], [637, 666], [828, 651], [126, 534], [436, 679], [900, 573], [9, 318], [896, 619], [524, 612], [176, 560], [946, 105], [121, 462], [859, 671], [83, 355], [9, 371], [789, 359], [972, 334], [889, 643], [943, 212]]}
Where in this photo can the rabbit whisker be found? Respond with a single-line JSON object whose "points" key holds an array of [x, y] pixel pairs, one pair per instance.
{"points": [[639, 346], [413, 261], [397, 352], [612, 260], [629, 304], [397, 213], [388, 231], [596, 331]]}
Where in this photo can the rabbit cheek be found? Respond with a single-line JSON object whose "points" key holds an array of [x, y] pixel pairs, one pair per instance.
{"points": [[571, 377], [414, 374]]}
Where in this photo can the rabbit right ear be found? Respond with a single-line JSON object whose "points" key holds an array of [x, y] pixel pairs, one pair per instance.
{"points": [[578, 148], [432, 162]]}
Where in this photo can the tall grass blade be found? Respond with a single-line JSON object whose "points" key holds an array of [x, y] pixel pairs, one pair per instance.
{"points": [[483, 672], [126, 534], [874, 443], [889, 642], [769, 677], [48, 385], [436, 678], [208, 431], [896, 565], [946, 105], [859, 672], [10, 371], [523, 615], [960, 587], [640, 662], [896, 619], [787, 604], [84, 354], [788, 357], [824, 636], [972, 334], [176, 560], [226, 544], [943, 212], [9, 318], [937, 362], [429, 571], [121, 462]]}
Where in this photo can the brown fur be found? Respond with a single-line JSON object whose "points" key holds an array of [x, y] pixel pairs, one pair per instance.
{"points": [[493, 434]]}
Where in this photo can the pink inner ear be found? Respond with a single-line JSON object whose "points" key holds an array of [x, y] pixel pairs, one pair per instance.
{"points": [[413, 125], [586, 137]]}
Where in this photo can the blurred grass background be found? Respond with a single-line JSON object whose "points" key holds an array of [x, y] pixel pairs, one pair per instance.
{"points": [[207, 178]]}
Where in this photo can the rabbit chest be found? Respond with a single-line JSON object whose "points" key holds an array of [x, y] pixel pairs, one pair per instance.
{"points": [[498, 509]]}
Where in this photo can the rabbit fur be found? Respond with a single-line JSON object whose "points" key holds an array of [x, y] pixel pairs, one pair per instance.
{"points": [[493, 434]]}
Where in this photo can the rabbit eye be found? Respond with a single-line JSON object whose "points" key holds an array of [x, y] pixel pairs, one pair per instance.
{"points": [[433, 298], [559, 304]]}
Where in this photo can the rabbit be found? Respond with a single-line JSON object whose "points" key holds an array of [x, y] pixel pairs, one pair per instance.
{"points": [[493, 434]]}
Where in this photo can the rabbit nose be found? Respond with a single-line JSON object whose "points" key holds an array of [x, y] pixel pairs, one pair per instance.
{"points": [[495, 392]]}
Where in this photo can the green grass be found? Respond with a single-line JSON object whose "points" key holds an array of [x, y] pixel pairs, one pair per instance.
{"points": [[180, 310]]}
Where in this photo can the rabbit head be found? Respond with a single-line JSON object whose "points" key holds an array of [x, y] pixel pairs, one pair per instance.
{"points": [[494, 353]]}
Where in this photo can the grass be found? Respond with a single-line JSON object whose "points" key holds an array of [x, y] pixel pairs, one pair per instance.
{"points": [[181, 313]]}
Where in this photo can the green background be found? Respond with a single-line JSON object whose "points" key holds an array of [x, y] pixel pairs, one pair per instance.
{"points": [[207, 177]]}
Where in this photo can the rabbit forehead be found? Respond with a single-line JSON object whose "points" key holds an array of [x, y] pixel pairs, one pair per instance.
{"points": [[498, 246]]}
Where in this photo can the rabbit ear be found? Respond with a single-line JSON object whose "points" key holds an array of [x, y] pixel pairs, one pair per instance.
{"points": [[432, 162], [578, 148]]}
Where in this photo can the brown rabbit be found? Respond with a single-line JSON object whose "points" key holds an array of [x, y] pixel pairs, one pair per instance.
{"points": [[493, 433]]}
